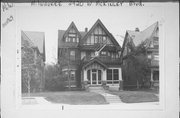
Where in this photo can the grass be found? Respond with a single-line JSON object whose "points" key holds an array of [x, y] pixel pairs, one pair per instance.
{"points": [[72, 97], [136, 96]]}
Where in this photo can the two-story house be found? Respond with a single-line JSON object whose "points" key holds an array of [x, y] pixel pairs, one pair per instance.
{"points": [[150, 40], [89, 58], [33, 56]]}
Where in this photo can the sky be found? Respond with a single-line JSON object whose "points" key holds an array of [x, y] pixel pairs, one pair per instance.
{"points": [[116, 19]]}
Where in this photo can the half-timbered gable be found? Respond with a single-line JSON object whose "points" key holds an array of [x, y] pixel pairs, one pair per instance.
{"points": [[98, 34], [72, 34], [89, 54]]}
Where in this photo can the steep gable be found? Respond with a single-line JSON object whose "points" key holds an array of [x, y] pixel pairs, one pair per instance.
{"points": [[135, 38], [143, 36], [104, 35], [72, 29], [70, 37]]}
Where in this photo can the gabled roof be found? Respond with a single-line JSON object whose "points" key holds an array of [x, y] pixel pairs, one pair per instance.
{"points": [[95, 60], [98, 22], [63, 33], [62, 43], [70, 26], [36, 39], [139, 37]]}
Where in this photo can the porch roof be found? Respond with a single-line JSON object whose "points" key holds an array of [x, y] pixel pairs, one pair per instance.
{"points": [[95, 60]]}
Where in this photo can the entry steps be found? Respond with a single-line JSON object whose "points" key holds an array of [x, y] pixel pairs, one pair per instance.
{"points": [[110, 98]]}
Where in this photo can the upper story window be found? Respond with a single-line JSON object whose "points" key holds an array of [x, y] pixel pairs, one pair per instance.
{"points": [[72, 36], [156, 57], [103, 53], [72, 75], [72, 54], [156, 42], [98, 36]]}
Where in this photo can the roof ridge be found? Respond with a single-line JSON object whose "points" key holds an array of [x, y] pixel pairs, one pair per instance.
{"points": [[154, 24]]}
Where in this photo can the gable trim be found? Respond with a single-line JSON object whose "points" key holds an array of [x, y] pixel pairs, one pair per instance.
{"points": [[70, 26], [93, 61], [105, 29]]}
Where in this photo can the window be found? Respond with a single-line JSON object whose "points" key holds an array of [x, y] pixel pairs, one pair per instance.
{"points": [[149, 56], [92, 54], [92, 39], [113, 56], [97, 36], [156, 57], [116, 75], [103, 53], [156, 42], [72, 54], [72, 36], [104, 39], [112, 76], [74, 39], [96, 39], [67, 39], [100, 39], [108, 41], [72, 75], [109, 76], [77, 39]]}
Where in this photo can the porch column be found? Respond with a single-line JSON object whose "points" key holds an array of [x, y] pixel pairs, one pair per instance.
{"points": [[104, 75], [85, 75], [120, 80], [151, 78]]}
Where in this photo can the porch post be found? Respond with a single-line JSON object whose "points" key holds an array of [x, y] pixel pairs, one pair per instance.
{"points": [[151, 78], [85, 75], [120, 80], [104, 78]]}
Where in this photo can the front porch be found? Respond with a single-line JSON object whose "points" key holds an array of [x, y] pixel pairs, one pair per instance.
{"points": [[95, 73]]}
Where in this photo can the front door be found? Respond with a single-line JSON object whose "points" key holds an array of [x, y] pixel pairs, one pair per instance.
{"points": [[96, 77]]}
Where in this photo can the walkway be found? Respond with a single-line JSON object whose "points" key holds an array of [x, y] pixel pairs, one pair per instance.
{"points": [[109, 97]]}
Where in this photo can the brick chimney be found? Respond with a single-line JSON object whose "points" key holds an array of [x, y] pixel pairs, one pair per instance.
{"points": [[137, 29], [86, 29]]}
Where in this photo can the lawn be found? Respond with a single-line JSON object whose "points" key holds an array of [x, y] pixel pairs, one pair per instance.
{"points": [[136, 96], [72, 97]]}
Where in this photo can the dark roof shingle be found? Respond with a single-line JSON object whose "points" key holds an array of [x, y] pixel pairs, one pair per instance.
{"points": [[139, 37]]}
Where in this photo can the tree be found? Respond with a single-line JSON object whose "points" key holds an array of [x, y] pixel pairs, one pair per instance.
{"points": [[32, 68], [54, 78], [137, 66]]}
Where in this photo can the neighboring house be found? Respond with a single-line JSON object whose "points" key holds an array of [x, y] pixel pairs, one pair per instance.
{"points": [[89, 58], [149, 38], [33, 54]]}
